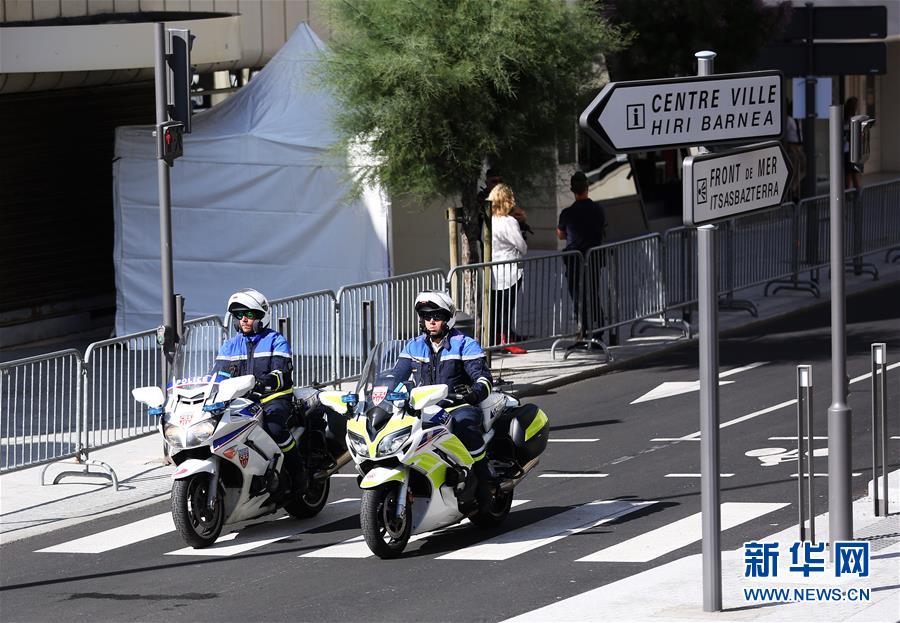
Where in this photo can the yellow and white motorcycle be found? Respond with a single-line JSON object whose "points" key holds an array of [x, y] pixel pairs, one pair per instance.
{"points": [[412, 467]]}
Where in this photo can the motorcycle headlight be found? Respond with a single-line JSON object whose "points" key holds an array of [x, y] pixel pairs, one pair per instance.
{"points": [[392, 442], [200, 432], [172, 433], [358, 445]]}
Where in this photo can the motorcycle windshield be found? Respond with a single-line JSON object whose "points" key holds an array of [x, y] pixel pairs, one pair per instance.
{"points": [[375, 372]]}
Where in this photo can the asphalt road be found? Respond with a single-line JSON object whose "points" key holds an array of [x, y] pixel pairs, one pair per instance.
{"points": [[465, 574]]}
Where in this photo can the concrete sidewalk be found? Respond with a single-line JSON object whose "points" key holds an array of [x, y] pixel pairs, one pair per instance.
{"points": [[27, 508]]}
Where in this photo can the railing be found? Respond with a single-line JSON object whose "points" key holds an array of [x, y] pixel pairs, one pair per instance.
{"points": [[114, 367], [62, 405], [529, 300], [308, 322], [40, 409], [624, 282], [199, 346], [375, 311]]}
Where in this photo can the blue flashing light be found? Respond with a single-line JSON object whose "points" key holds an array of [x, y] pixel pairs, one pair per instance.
{"points": [[216, 406], [397, 396]]}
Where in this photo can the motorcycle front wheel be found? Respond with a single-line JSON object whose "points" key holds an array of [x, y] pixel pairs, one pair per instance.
{"points": [[311, 501], [385, 533], [198, 525]]}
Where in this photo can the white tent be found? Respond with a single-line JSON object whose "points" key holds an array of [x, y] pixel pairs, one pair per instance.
{"points": [[256, 201]]}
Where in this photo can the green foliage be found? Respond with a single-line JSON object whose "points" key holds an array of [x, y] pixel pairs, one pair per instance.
{"points": [[669, 32], [440, 86]]}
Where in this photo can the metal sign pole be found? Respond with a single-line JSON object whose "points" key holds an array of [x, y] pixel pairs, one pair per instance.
{"points": [[840, 515], [167, 339], [709, 401]]}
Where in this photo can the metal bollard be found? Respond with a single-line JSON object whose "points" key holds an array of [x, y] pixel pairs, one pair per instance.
{"points": [[805, 490], [879, 426]]}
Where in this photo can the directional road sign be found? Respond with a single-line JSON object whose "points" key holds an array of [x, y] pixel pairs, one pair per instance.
{"points": [[720, 186], [676, 112]]}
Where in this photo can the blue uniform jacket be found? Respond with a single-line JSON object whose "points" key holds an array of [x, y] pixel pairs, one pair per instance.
{"points": [[459, 361], [261, 354]]}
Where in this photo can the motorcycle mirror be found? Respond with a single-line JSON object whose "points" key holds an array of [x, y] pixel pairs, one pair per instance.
{"points": [[234, 387], [426, 395], [151, 396]]}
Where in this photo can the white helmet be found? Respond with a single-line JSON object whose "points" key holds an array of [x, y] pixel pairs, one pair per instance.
{"points": [[432, 301], [248, 298]]}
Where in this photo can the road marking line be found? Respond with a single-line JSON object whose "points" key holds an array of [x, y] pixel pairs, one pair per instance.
{"points": [[131, 533], [357, 548], [675, 439], [572, 440], [579, 475], [269, 532], [756, 364], [818, 475], [694, 475], [343, 475], [656, 543], [794, 438], [895, 437], [750, 416], [547, 531]]}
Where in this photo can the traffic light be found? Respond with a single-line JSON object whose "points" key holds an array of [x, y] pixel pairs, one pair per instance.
{"points": [[170, 141], [180, 75]]}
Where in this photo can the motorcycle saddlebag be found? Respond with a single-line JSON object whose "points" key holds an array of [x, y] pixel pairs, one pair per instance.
{"points": [[529, 429]]}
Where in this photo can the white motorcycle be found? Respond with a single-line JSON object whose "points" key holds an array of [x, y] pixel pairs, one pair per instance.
{"points": [[412, 467], [228, 468]]}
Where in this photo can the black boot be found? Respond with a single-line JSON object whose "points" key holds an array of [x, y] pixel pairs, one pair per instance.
{"points": [[484, 482]]}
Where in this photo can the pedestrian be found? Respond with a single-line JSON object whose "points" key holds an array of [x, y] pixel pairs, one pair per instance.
{"points": [[508, 244], [492, 177], [793, 136], [851, 171], [583, 226]]}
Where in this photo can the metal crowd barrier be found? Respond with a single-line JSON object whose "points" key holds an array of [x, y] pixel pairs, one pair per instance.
{"points": [[199, 346], [40, 409], [376, 311], [624, 283], [114, 367], [308, 322], [542, 302], [61, 405]]}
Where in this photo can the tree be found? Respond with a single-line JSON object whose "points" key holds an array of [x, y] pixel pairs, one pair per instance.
{"points": [[439, 87], [669, 32]]}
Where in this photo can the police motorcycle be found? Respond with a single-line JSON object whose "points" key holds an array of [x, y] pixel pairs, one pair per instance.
{"points": [[228, 469], [412, 467]]}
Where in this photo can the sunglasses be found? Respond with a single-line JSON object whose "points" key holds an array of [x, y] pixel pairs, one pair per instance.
{"points": [[248, 313], [434, 316]]}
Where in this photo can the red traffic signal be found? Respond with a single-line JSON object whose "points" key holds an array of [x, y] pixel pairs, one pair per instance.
{"points": [[170, 141]]}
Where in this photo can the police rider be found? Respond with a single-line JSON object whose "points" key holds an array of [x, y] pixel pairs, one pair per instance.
{"points": [[443, 355], [266, 354]]}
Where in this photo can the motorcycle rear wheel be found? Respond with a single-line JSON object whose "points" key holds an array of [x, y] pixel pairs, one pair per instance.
{"points": [[385, 533], [495, 512], [198, 525], [311, 501]]}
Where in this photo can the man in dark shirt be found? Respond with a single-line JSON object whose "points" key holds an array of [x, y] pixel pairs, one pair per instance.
{"points": [[583, 226]]}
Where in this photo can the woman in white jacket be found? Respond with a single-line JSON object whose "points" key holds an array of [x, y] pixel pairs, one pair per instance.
{"points": [[507, 244]]}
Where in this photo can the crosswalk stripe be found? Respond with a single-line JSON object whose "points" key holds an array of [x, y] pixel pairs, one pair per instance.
{"points": [[547, 531], [357, 548], [572, 475], [128, 534], [678, 534], [263, 534]]}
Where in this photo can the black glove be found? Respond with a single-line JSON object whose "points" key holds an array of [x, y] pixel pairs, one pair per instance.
{"points": [[473, 395], [266, 384]]}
